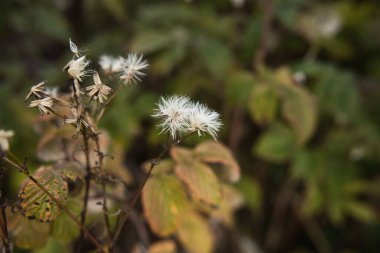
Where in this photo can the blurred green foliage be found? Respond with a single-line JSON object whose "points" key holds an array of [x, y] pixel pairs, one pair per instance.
{"points": [[304, 124]]}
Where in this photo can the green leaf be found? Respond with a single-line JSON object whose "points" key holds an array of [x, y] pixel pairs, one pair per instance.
{"points": [[299, 110], [27, 234], [361, 211], [277, 144], [215, 153], [238, 87], [263, 103], [150, 41], [252, 193], [198, 177], [35, 203], [164, 201], [214, 55], [195, 235], [64, 229], [166, 61]]}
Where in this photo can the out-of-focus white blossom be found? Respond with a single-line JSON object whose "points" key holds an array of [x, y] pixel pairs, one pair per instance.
{"points": [[98, 91], [299, 77], [201, 119], [43, 104], [173, 113], [37, 90], [238, 3], [77, 118], [51, 91], [178, 115], [110, 64], [76, 68], [329, 23], [4, 139], [132, 69]]}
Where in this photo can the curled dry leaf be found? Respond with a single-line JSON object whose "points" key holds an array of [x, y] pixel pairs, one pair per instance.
{"points": [[27, 234], [198, 177], [215, 153], [35, 203]]}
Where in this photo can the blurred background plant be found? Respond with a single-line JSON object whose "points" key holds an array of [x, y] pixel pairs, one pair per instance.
{"points": [[296, 82]]}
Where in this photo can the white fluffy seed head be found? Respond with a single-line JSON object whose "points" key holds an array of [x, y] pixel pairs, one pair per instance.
{"points": [[132, 67], [172, 112], [201, 119], [77, 68], [178, 116]]}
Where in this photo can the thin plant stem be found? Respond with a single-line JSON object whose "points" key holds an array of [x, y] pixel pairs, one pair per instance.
{"points": [[104, 193], [265, 32], [4, 230], [60, 206], [3, 218], [103, 108], [87, 180], [136, 196]]}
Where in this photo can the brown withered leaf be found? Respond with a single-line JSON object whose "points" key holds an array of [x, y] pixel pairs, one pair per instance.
{"points": [[35, 203], [164, 201], [198, 177], [219, 156], [27, 234], [231, 200]]}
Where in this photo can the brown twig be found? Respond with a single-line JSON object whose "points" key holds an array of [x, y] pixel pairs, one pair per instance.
{"points": [[104, 192], [3, 217], [275, 230], [265, 31], [136, 196], [313, 229], [21, 167], [103, 108], [87, 181]]}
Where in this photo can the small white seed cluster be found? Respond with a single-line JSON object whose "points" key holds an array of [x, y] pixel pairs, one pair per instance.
{"points": [[128, 70], [179, 115]]}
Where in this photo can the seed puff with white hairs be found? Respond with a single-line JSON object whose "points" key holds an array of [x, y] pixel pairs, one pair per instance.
{"points": [[179, 115], [173, 112], [77, 68], [132, 67], [201, 119]]}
